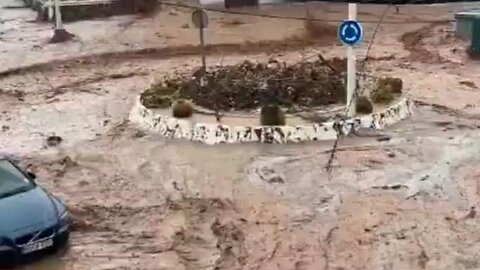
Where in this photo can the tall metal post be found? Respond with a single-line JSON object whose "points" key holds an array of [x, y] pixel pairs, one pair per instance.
{"points": [[202, 43], [59, 34], [58, 16], [200, 20], [351, 68]]}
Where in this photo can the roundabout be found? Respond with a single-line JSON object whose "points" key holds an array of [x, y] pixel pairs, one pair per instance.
{"points": [[271, 103]]}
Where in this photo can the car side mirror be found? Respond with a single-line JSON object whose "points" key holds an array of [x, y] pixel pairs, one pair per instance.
{"points": [[31, 175]]}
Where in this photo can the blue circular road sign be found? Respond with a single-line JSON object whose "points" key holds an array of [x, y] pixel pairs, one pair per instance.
{"points": [[350, 32]]}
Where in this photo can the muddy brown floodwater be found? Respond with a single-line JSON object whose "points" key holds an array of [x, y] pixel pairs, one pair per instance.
{"points": [[140, 201], [143, 202]]}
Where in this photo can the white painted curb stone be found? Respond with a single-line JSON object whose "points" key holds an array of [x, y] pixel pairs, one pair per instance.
{"points": [[216, 133]]}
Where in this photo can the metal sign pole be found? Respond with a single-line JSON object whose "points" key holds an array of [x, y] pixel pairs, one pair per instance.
{"points": [[351, 68], [202, 43], [200, 20], [59, 33], [58, 16]]}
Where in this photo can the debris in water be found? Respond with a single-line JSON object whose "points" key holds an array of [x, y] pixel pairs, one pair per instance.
{"points": [[276, 179], [472, 213], [383, 138], [54, 140], [270, 176], [424, 178], [139, 134], [391, 187], [246, 85], [469, 84]]}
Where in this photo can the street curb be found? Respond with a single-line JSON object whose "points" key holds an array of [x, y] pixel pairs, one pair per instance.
{"points": [[211, 134]]}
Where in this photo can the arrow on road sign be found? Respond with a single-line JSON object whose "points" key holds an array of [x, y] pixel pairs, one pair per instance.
{"points": [[350, 32]]}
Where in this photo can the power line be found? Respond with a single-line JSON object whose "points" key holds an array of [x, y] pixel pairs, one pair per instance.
{"points": [[270, 16], [377, 27]]}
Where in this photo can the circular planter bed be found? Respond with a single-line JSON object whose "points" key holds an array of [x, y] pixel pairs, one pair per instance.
{"points": [[229, 103]]}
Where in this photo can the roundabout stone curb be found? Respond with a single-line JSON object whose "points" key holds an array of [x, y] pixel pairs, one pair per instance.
{"points": [[211, 134]]}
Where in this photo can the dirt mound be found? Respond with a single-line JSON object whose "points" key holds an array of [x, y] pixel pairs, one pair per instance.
{"points": [[248, 85]]}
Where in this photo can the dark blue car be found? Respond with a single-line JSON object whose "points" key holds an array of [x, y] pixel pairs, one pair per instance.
{"points": [[32, 221]]}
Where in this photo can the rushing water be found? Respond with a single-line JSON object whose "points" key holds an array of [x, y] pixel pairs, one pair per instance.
{"points": [[50, 263], [218, 175]]}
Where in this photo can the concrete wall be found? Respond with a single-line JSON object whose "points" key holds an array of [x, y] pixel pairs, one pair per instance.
{"points": [[216, 133], [93, 9]]}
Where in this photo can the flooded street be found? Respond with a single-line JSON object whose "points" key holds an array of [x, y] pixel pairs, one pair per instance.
{"points": [[141, 201], [151, 203]]}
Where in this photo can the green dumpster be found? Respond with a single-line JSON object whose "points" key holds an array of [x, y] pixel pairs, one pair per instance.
{"points": [[463, 24], [475, 43]]}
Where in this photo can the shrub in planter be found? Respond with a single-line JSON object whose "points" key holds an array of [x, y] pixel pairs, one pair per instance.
{"points": [[382, 94], [396, 84], [182, 108], [153, 100], [272, 115], [364, 105]]}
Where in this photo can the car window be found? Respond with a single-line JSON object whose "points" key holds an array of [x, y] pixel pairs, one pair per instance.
{"points": [[12, 181]]}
